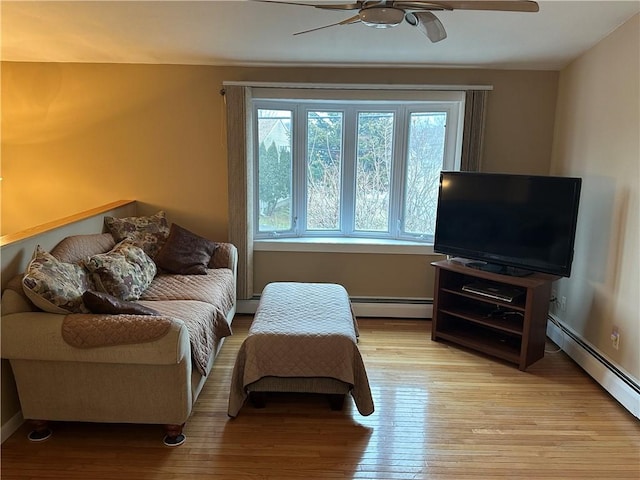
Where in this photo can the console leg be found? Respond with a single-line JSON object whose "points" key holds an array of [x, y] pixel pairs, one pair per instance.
{"points": [[174, 436], [40, 432]]}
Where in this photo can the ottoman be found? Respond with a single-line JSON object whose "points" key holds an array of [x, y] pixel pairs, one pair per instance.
{"points": [[303, 339]]}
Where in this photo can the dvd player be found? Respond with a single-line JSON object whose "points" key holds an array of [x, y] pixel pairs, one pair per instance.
{"points": [[503, 293]]}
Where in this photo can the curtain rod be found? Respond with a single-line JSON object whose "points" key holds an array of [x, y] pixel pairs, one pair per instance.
{"points": [[356, 86]]}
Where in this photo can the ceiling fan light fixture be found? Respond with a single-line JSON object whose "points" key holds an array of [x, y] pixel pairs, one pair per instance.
{"points": [[381, 17]]}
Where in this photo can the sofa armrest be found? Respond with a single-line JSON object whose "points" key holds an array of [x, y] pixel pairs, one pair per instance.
{"points": [[225, 256], [37, 336]]}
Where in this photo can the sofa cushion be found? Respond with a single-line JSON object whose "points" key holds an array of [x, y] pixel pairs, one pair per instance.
{"points": [[149, 233], [185, 252], [100, 302], [217, 288], [55, 286], [77, 248], [124, 272]]}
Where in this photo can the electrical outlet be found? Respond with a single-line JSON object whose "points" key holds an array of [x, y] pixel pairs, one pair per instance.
{"points": [[563, 304], [615, 338]]}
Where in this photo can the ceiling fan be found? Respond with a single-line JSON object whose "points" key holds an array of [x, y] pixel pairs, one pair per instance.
{"points": [[417, 13]]}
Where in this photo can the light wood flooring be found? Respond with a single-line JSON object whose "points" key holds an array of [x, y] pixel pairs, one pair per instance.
{"points": [[441, 413]]}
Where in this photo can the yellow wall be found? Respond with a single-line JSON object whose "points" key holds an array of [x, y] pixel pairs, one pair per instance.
{"points": [[79, 136], [598, 138], [75, 136]]}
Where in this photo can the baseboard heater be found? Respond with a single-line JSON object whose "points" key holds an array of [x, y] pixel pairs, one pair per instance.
{"points": [[618, 383], [388, 307]]}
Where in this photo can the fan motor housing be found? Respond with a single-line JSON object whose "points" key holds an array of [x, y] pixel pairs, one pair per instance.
{"points": [[381, 16]]}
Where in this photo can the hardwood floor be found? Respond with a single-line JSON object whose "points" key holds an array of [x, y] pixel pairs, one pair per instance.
{"points": [[441, 413]]}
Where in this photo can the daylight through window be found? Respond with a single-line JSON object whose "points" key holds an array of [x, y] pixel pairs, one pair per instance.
{"points": [[353, 168]]}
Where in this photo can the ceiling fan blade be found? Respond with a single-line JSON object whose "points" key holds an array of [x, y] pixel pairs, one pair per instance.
{"points": [[428, 24], [327, 6], [348, 21], [341, 6], [498, 5], [422, 5]]}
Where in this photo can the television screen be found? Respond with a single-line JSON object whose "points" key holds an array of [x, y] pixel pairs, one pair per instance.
{"points": [[508, 222]]}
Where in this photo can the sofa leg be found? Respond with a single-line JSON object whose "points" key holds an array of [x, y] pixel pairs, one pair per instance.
{"points": [[174, 436], [40, 431]]}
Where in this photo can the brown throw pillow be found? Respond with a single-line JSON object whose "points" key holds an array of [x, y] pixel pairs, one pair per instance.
{"points": [[185, 253], [98, 302]]}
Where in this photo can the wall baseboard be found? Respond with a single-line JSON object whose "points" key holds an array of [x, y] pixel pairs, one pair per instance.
{"points": [[624, 388], [387, 308], [10, 427]]}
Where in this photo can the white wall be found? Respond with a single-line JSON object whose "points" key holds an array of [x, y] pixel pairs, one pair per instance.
{"points": [[597, 137]]}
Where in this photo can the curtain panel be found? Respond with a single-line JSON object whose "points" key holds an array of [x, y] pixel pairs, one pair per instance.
{"points": [[473, 130], [240, 165]]}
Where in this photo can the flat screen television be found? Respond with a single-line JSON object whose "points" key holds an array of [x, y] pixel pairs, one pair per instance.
{"points": [[506, 223]]}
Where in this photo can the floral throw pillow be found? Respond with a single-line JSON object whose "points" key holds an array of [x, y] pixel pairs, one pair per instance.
{"points": [[149, 233], [55, 286], [124, 272]]}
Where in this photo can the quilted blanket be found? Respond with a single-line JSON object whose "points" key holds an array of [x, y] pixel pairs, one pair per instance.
{"points": [[89, 330], [302, 330], [200, 301], [206, 324]]}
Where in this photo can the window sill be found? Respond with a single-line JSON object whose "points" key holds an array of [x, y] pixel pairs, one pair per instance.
{"points": [[343, 245]]}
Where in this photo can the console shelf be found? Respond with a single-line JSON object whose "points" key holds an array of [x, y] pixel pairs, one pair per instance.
{"points": [[513, 331]]}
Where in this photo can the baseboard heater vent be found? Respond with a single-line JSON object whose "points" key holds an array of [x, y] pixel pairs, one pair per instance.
{"points": [[622, 386], [386, 307], [410, 301], [598, 356], [398, 301]]}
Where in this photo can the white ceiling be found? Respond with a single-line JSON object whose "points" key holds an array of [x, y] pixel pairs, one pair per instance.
{"points": [[244, 32]]}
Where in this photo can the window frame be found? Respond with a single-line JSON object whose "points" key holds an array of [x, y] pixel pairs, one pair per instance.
{"points": [[402, 104]]}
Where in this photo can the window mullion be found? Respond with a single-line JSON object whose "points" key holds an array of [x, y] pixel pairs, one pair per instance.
{"points": [[300, 169], [347, 218], [397, 176], [453, 141]]}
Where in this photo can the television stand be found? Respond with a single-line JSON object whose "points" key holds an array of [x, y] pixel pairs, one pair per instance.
{"points": [[501, 269], [512, 328]]}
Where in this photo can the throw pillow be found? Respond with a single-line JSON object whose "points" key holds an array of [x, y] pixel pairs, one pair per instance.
{"points": [[75, 248], [149, 233], [124, 272], [185, 252], [55, 286], [99, 302]]}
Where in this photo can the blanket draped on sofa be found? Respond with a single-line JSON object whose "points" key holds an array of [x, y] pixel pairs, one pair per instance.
{"points": [[183, 298], [89, 331]]}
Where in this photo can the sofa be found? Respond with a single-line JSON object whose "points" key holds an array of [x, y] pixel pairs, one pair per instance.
{"points": [[119, 356]]}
